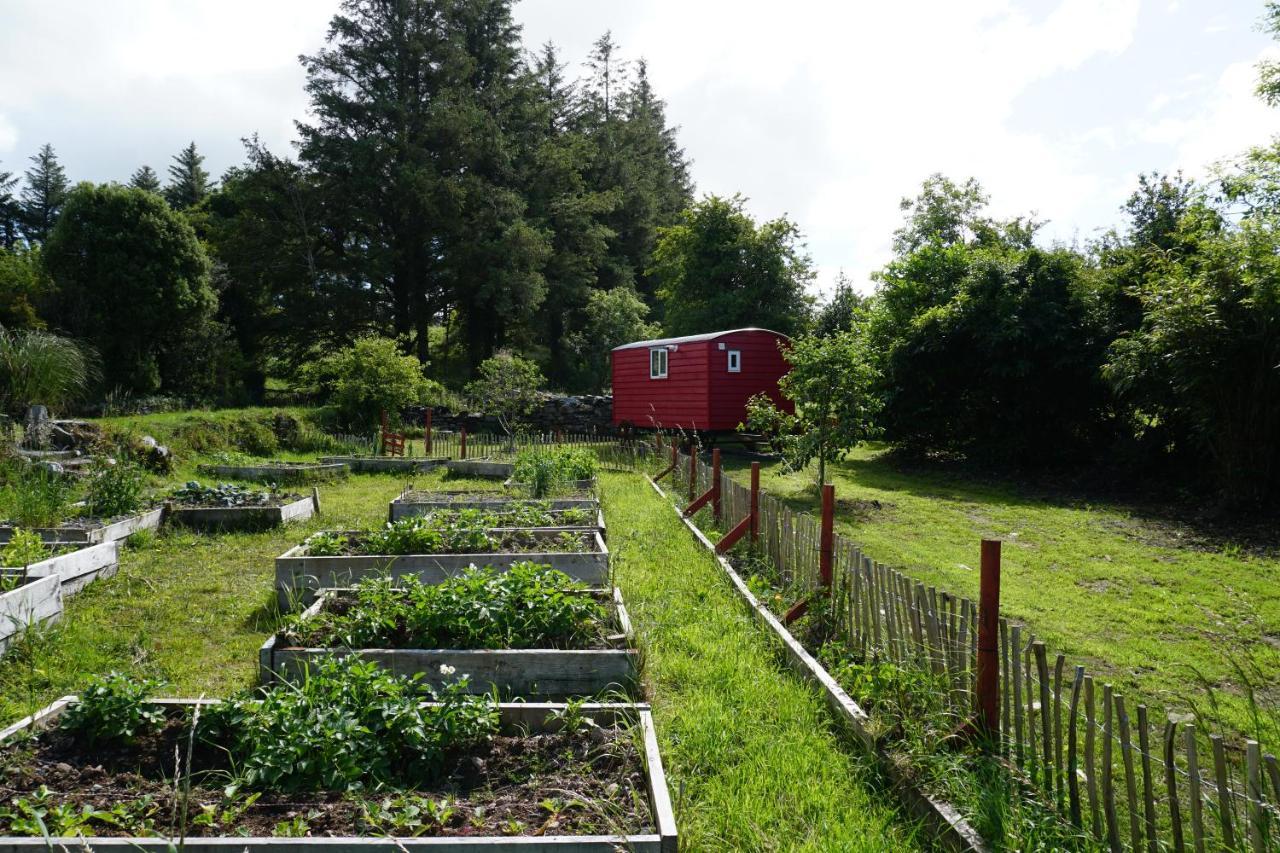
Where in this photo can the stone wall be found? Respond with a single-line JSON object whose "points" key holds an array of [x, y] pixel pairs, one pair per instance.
{"points": [[585, 413]]}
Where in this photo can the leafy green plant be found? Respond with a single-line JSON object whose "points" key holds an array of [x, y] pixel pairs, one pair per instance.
{"points": [[113, 709], [406, 814], [464, 533], [527, 606], [545, 470], [115, 488], [224, 495], [35, 497], [349, 726], [326, 544], [368, 377], [24, 548]]}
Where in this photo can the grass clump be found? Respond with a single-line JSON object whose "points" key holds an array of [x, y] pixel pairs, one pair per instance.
{"points": [[529, 606], [34, 496]]}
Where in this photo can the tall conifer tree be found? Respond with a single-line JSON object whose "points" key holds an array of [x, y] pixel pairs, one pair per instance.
{"points": [[145, 178], [188, 180], [44, 194]]}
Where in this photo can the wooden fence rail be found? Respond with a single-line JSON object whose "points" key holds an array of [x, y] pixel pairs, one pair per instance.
{"points": [[1133, 782]]}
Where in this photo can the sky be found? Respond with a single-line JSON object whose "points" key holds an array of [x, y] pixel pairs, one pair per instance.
{"points": [[826, 112]]}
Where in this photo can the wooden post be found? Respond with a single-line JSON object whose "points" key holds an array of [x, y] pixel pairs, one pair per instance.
{"points": [[382, 434], [462, 444], [988, 674], [827, 536], [755, 501], [426, 433], [693, 473], [715, 483]]}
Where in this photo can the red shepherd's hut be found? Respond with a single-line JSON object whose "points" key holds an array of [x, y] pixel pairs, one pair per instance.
{"points": [[698, 382]]}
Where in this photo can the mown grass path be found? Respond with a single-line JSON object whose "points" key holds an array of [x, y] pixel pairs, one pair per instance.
{"points": [[748, 749]]}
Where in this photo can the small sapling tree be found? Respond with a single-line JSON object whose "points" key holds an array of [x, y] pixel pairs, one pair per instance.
{"points": [[830, 383], [507, 389]]}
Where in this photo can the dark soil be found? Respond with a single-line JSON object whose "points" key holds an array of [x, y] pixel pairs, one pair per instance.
{"points": [[554, 784]]}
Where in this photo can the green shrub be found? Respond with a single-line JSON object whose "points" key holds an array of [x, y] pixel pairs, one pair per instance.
{"points": [[115, 488], [23, 548], [254, 437], [370, 376], [528, 606], [113, 709]]}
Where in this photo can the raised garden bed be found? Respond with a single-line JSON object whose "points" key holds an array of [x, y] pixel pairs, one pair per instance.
{"points": [[598, 657], [228, 507], [587, 487], [546, 778], [531, 514], [413, 503], [299, 574], [278, 472], [479, 468], [93, 530], [385, 464], [26, 601], [76, 566]]}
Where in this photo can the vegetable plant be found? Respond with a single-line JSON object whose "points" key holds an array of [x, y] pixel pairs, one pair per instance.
{"points": [[527, 606], [113, 710], [23, 548], [224, 495], [115, 488], [546, 470]]}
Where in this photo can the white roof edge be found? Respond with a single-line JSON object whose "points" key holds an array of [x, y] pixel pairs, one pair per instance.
{"points": [[689, 339]]}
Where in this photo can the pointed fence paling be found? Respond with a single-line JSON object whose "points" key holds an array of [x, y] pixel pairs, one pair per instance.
{"points": [[1133, 782]]}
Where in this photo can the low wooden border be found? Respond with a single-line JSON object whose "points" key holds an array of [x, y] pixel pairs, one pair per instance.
{"points": [[221, 519], [588, 486], [303, 473], [93, 534], [299, 577], [403, 507], [77, 569], [533, 717], [36, 602], [385, 464], [948, 827], [512, 672], [480, 468], [397, 511]]}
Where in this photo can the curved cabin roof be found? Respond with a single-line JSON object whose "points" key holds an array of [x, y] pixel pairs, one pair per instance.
{"points": [[690, 339]]}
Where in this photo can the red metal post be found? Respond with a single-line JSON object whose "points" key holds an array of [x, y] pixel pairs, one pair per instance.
{"points": [[826, 539], [755, 501], [693, 473], [462, 444], [426, 434], [988, 631], [715, 483]]}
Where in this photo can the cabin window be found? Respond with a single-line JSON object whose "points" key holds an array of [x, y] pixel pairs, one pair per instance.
{"points": [[735, 361], [658, 363]]}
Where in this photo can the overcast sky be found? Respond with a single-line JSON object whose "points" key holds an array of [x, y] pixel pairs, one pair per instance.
{"points": [[828, 112]]}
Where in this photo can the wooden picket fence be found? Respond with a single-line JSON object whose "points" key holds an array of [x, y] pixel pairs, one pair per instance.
{"points": [[614, 453], [1132, 782]]}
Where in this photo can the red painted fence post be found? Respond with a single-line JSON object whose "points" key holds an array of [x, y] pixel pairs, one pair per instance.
{"points": [[988, 630], [715, 483], [462, 444], [426, 434], [755, 501], [826, 538]]}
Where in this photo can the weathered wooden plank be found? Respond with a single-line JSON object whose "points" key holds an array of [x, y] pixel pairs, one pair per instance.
{"points": [[36, 602], [1130, 784], [1148, 784], [1225, 813], [1073, 763], [1091, 769], [266, 473], [1108, 786], [78, 568], [1255, 816], [222, 519], [385, 464], [1171, 784]]}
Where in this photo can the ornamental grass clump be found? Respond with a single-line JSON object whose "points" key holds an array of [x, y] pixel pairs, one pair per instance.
{"points": [[528, 606]]}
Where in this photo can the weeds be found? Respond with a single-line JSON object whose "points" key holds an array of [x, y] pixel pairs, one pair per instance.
{"points": [[24, 548], [546, 470], [115, 489], [36, 497]]}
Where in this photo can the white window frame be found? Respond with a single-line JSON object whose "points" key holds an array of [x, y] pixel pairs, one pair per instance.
{"points": [[735, 361], [661, 373]]}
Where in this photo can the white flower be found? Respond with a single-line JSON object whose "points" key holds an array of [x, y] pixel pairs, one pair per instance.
{"points": [[445, 669]]}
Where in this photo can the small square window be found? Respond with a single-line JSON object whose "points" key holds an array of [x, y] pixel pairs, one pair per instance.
{"points": [[735, 361], [658, 363]]}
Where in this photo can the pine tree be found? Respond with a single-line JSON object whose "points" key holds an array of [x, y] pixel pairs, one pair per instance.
{"points": [[10, 211], [44, 194], [188, 181], [145, 179]]}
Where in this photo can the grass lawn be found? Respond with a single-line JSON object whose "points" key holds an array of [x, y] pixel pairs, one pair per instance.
{"points": [[751, 760], [1141, 603]]}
